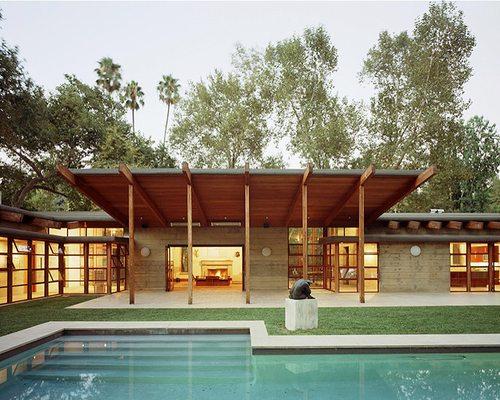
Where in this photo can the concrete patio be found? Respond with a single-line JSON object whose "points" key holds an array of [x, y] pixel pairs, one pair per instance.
{"points": [[230, 298]]}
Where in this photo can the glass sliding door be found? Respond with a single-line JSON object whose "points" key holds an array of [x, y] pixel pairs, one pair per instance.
{"points": [[479, 277]]}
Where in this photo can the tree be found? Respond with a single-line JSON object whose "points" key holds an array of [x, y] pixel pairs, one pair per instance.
{"points": [[297, 74], [221, 123], [416, 113], [109, 75], [168, 89], [133, 99], [480, 162]]}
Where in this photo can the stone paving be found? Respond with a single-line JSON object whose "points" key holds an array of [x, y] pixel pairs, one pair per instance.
{"points": [[232, 298]]}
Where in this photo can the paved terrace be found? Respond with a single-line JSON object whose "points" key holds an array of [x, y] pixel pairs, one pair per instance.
{"points": [[231, 298]]}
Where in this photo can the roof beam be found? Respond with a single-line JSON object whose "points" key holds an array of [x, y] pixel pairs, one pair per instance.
{"points": [[396, 198], [130, 178], [338, 207], [11, 216], [413, 225], [493, 225], [305, 179], [96, 197], [454, 225], [189, 181], [434, 225], [476, 225]]}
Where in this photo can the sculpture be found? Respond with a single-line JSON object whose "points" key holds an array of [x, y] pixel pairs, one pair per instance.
{"points": [[301, 290]]}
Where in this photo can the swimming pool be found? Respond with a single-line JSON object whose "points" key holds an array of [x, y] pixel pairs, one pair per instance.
{"points": [[221, 367]]}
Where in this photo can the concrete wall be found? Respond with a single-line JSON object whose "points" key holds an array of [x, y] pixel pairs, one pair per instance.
{"points": [[266, 272], [402, 272]]}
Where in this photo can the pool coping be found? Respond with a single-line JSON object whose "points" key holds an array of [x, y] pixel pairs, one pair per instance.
{"points": [[261, 341]]}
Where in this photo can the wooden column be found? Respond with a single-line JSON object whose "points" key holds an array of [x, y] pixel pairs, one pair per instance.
{"points": [[326, 263], [31, 257], [491, 267], [131, 245], [467, 261], [190, 242], [46, 269], [86, 268], [109, 264], [304, 232], [247, 238], [336, 264], [62, 270], [10, 267], [361, 244]]}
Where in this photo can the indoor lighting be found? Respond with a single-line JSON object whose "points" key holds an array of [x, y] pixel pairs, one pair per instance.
{"points": [[226, 223], [184, 224]]}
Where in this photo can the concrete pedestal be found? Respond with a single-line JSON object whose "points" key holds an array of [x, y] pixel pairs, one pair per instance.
{"points": [[301, 314]]}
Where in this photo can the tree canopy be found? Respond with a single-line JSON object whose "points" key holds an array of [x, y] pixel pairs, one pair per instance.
{"points": [[283, 95]]}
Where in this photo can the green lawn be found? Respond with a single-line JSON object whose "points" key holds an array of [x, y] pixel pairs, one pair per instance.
{"points": [[341, 321]]}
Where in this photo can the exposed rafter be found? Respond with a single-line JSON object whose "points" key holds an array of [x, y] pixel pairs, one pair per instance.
{"points": [[433, 224], [454, 225], [187, 176], [130, 178], [419, 181], [414, 225], [393, 224], [476, 225], [337, 208], [79, 185], [305, 178], [493, 225]]}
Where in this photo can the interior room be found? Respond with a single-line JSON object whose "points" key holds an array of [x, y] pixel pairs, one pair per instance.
{"points": [[213, 267]]}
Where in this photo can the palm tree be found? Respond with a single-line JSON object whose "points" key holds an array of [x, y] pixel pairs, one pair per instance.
{"points": [[168, 89], [109, 75], [132, 98]]}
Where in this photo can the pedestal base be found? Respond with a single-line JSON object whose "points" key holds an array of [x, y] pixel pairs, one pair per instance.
{"points": [[301, 314]]}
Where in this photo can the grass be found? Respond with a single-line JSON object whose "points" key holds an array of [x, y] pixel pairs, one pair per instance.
{"points": [[332, 321]]}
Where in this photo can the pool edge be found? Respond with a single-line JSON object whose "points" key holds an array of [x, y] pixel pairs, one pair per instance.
{"points": [[261, 342]]}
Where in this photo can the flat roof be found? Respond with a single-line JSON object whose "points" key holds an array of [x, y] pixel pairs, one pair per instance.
{"points": [[218, 194]]}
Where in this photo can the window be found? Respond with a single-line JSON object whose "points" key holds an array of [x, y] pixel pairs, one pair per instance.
{"points": [[479, 267], [74, 262], [20, 260], [314, 256], [97, 268], [458, 267], [54, 275], [471, 268], [38, 269], [321, 260]]}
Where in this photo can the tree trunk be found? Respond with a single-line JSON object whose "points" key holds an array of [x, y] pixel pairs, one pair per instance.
{"points": [[133, 122], [166, 124], [23, 193]]}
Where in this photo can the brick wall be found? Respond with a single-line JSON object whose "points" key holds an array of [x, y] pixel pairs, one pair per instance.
{"points": [[402, 272], [266, 272]]}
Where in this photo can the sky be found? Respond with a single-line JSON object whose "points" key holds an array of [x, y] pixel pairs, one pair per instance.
{"points": [[190, 39]]}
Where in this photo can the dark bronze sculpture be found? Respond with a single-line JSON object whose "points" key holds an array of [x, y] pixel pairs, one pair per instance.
{"points": [[301, 290]]}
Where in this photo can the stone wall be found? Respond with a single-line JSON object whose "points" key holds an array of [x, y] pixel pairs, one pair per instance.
{"points": [[266, 272], [402, 272]]}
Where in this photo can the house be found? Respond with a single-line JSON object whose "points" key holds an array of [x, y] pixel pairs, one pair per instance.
{"points": [[245, 229]]}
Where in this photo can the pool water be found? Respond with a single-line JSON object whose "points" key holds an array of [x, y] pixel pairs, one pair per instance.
{"points": [[222, 367]]}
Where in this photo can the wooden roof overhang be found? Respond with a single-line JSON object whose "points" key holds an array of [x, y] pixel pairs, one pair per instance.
{"points": [[51, 219], [29, 235], [413, 238], [219, 195]]}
